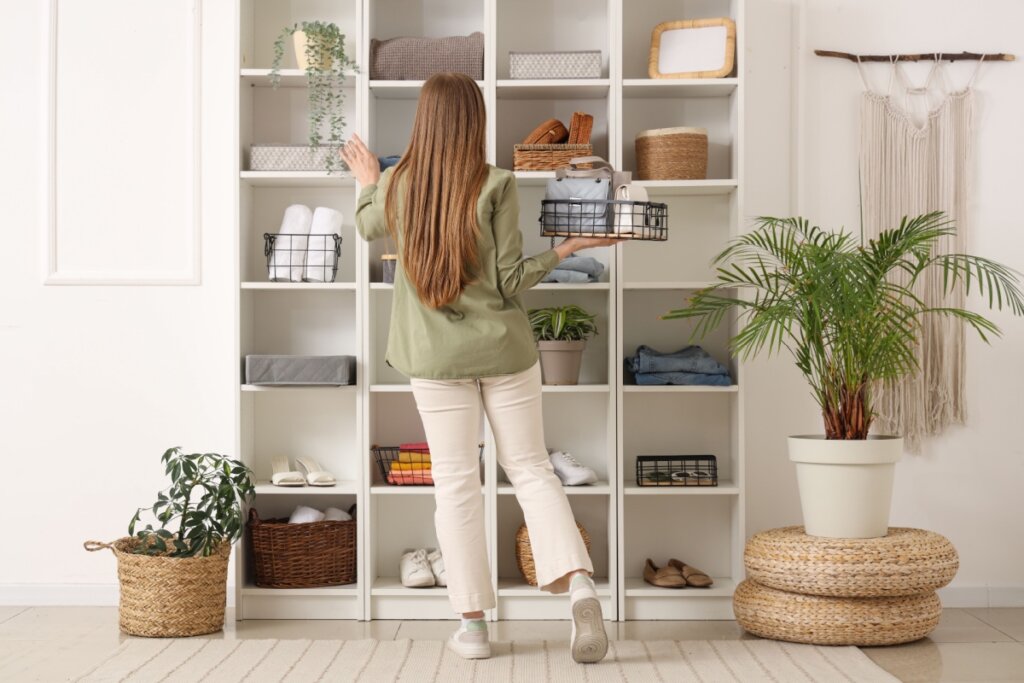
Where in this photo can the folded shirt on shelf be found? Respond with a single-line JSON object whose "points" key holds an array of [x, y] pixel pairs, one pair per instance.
{"points": [[421, 477], [688, 366], [576, 269], [400, 466], [414, 452]]}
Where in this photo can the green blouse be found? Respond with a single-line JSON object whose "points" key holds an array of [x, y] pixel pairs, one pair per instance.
{"points": [[485, 332]]}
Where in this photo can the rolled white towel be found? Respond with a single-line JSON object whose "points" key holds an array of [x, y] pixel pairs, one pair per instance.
{"points": [[336, 515], [288, 259], [304, 515], [319, 261]]}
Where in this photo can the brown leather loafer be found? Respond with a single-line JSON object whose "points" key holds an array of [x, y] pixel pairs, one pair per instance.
{"points": [[693, 576], [665, 577]]}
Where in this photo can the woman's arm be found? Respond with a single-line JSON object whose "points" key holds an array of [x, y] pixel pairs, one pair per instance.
{"points": [[516, 273], [371, 221]]}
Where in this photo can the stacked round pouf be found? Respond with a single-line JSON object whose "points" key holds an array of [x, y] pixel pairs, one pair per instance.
{"points": [[844, 591]]}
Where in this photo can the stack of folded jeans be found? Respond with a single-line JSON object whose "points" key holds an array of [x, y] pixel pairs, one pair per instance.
{"points": [[576, 269], [689, 366]]}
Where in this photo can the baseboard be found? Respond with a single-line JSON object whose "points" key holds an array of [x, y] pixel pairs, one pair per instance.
{"points": [[982, 596], [76, 595]]}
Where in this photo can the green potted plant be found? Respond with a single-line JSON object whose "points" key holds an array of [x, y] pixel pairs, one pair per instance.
{"points": [[320, 52], [561, 333], [847, 314], [174, 580]]}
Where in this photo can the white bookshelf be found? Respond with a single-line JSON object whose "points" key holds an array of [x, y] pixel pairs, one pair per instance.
{"points": [[603, 422]]}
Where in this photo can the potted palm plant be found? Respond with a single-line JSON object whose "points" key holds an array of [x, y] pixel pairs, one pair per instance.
{"points": [[847, 313], [561, 333], [174, 581]]}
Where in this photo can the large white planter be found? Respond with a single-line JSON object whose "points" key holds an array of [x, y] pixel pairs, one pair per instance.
{"points": [[845, 486]]}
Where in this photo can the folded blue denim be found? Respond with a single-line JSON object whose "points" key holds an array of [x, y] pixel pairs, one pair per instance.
{"points": [[389, 161], [582, 264], [567, 276], [682, 378], [692, 359]]}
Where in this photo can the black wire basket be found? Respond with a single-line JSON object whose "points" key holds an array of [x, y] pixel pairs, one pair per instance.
{"points": [[406, 466], [604, 218], [309, 258], [676, 470]]}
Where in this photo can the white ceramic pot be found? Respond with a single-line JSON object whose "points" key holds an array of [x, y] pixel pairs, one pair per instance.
{"points": [[845, 486]]}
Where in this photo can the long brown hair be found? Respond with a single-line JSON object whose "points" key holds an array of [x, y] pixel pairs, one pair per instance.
{"points": [[440, 176]]}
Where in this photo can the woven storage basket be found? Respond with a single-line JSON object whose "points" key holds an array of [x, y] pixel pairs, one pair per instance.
{"points": [[672, 154], [169, 597], [548, 157], [524, 553], [818, 620], [906, 562], [302, 555]]}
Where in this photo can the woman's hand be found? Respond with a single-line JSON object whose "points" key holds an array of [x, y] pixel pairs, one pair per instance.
{"points": [[574, 244], [361, 161]]}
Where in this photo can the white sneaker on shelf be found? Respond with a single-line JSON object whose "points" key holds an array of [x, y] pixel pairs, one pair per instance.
{"points": [[437, 566], [570, 470], [415, 570], [589, 642], [470, 641]]}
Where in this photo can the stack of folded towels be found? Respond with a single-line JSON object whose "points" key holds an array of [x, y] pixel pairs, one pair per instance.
{"points": [[576, 269], [690, 366], [412, 466]]}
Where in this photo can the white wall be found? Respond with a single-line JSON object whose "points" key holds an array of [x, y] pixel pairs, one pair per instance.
{"points": [[966, 484]]}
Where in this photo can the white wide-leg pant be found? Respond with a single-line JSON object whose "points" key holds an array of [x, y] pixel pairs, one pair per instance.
{"points": [[450, 410]]}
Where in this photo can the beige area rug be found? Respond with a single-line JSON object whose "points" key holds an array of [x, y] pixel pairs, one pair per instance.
{"points": [[382, 661]]}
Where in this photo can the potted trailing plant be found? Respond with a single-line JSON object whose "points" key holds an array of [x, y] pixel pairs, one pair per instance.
{"points": [[174, 580], [847, 314], [320, 52], [561, 333]]}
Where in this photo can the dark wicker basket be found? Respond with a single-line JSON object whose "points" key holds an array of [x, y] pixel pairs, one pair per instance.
{"points": [[302, 555]]}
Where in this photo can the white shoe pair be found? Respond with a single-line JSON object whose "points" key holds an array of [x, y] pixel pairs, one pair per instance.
{"points": [[309, 472], [422, 568]]}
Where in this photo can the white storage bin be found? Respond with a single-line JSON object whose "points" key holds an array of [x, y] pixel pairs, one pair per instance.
{"points": [[293, 158], [539, 65]]}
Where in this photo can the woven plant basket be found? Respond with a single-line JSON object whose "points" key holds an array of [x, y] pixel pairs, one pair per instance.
{"points": [[548, 157], [169, 597], [906, 562], [818, 620], [672, 154], [524, 553], [309, 555]]}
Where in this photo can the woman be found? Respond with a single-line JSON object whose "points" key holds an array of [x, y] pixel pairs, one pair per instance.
{"points": [[460, 332]]}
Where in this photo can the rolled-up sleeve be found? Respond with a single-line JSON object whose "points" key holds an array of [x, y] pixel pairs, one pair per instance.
{"points": [[371, 221], [515, 273]]}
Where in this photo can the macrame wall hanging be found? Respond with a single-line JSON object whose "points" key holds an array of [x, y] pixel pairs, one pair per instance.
{"points": [[915, 157]]}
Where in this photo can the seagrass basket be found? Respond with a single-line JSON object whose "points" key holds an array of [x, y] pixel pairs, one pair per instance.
{"points": [[309, 555], [672, 154], [548, 157], [524, 553], [169, 597]]}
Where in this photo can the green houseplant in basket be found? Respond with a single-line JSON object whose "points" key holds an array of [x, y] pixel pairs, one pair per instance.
{"points": [[561, 333], [174, 576], [320, 52], [847, 313]]}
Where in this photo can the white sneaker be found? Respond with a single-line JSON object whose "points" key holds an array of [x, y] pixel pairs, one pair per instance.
{"points": [[589, 642], [437, 567], [415, 570], [470, 641], [570, 470]]}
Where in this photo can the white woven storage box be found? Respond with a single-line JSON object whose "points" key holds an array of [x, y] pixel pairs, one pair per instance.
{"points": [[292, 158], [530, 65]]}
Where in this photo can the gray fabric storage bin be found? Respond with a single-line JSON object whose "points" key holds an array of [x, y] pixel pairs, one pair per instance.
{"points": [[284, 370]]}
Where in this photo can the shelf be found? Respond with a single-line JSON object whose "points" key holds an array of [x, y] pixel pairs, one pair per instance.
{"points": [[677, 389], [574, 388], [601, 488], [382, 285], [298, 387], [300, 286], [724, 488], [342, 488], [290, 78], [391, 388], [518, 588], [297, 179], [678, 87], [638, 588], [401, 90], [392, 586], [690, 188], [571, 286], [389, 490], [694, 285], [554, 89], [331, 591]]}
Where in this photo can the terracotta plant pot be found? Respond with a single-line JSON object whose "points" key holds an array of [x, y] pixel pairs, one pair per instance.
{"points": [[560, 361]]}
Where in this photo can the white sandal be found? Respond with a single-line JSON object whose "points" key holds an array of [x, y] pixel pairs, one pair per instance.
{"points": [[315, 475], [284, 475]]}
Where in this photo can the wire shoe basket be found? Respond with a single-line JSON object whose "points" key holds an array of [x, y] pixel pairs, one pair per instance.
{"points": [[604, 218], [302, 258], [406, 465], [676, 470]]}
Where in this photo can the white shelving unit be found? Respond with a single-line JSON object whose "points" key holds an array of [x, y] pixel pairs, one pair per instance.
{"points": [[603, 422]]}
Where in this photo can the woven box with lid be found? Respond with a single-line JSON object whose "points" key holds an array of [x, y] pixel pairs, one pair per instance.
{"points": [[539, 65], [292, 157], [672, 154]]}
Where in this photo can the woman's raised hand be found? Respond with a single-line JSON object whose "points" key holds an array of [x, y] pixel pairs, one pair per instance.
{"points": [[574, 244], [361, 161]]}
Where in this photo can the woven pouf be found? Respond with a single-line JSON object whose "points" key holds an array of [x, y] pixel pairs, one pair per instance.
{"points": [[818, 620], [906, 562]]}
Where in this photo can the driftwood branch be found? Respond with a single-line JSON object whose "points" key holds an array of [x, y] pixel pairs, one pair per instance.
{"points": [[940, 56]]}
